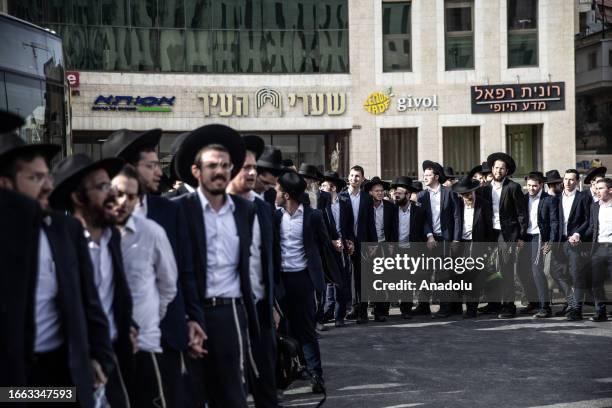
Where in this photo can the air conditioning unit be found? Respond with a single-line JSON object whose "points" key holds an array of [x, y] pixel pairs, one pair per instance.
{"points": [[591, 17]]}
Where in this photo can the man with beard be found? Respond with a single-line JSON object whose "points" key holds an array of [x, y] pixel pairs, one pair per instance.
{"points": [[64, 333], [220, 226], [83, 187], [269, 167], [179, 335], [151, 274], [264, 276]]}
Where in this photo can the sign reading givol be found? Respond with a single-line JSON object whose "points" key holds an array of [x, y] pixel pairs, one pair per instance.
{"points": [[545, 96]]}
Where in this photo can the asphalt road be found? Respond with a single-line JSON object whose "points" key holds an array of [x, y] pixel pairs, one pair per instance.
{"points": [[485, 362]]}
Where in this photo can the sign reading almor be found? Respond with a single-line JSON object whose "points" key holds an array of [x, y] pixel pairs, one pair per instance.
{"points": [[545, 96]]}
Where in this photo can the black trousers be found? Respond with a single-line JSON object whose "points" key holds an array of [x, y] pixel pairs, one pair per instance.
{"points": [[359, 307], [225, 364], [173, 378], [146, 389], [502, 292], [50, 369], [601, 271], [116, 386], [263, 386]]}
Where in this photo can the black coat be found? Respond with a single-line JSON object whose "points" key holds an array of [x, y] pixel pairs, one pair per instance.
{"points": [[548, 217], [182, 190], [447, 212], [482, 224], [244, 215], [346, 219], [390, 221], [269, 262], [592, 232], [417, 223], [366, 231], [513, 216], [578, 221]]}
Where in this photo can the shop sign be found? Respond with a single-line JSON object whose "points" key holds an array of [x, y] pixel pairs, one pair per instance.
{"points": [[546, 96], [73, 78], [378, 102], [133, 103]]}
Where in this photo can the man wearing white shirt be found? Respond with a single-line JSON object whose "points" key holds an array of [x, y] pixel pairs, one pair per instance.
{"points": [[150, 269]]}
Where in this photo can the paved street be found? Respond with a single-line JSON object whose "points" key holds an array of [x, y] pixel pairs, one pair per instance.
{"points": [[465, 363]]}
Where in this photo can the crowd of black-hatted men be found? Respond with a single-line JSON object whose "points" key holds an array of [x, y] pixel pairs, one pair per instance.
{"points": [[175, 300]]}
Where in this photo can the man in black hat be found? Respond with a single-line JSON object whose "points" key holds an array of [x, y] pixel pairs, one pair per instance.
{"points": [[220, 226], [303, 235], [592, 178], [339, 216], [140, 150], [386, 225], [410, 224], [52, 301], [264, 276], [269, 168], [178, 187], [313, 177], [289, 165], [438, 202], [83, 188], [473, 224], [451, 177]]}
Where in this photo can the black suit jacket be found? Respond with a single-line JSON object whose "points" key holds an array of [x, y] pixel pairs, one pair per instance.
{"points": [[270, 197], [176, 193], [548, 217], [366, 231], [578, 221], [390, 221], [417, 223], [592, 233], [244, 215], [482, 223], [447, 212], [513, 216], [269, 262], [346, 219]]}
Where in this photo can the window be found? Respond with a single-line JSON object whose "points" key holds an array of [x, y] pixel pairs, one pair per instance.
{"points": [[459, 37], [522, 33], [461, 148], [524, 144], [398, 153], [397, 55], [592, 60]]}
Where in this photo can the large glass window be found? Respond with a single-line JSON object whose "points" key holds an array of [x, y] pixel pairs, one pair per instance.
{"points": [[524, 144], [461, 148], [522, 33], [216, 36], [398, 153], [397, 42], [459, 34]]}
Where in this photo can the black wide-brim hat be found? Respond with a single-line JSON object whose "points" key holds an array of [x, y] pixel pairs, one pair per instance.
{"points": [[368, 185], [475, 169], [595, 171], [310, 171], [176, 144], [9, 121], [205, 136], [271, 160], [292, 184], [466, 185], [428, 164], [405, 182], [553, 177], [418, 186], [126, 143], [68, 173], [334, 178], [450, 173], [506, 158], [12, 146], [255, 144]]}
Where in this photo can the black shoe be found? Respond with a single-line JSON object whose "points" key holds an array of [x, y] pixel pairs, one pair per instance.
{"points": [[406, 316], [321, 327], [529, 309], [599, 317], [362, 320], [421, 309], [339, 323], [317, 384], [351, 316], [441, 314], [470, 314], [489, 309], [574, 315], [563, 311], [506, 313], [543, 314], [379, 318], [328, 317]]}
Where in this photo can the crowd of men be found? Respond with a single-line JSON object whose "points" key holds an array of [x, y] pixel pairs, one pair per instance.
{"points": [[176, 299]]}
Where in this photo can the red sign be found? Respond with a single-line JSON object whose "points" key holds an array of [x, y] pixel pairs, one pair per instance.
{"points": [[73, 78]]}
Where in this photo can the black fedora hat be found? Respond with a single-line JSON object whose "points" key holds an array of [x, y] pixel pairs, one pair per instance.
{"points": [[9, 121], [310, 171], [271, 160], [428, 164], [450, 173], [405, 182], [176, 144], [334, 178], [537, 175], [12, 146], [418, 186], [68, 173], [552, 177], [368, 185], [465, 185], [506, 158], [255, 144], [486, 169], [292, 184], [205, 136], [595, 171], [475, 169], [126, 143]]}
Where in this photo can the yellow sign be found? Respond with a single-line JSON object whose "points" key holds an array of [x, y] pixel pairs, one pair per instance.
{"points": [[377, 103]]}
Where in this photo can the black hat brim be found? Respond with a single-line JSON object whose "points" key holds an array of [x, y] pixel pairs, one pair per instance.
{"points": [[144, 141], [594, 172], [553, 181], [61, 192], [9, 122], [370, 184], [48, 151], [503, 157], [340, 184], [205, 136], [254, 144], [410, 188], [462, 189], [428, 164]]}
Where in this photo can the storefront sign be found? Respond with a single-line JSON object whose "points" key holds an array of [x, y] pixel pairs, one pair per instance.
{"points": [[73, 78], [518, 97], [378, 103], [133, 103]]}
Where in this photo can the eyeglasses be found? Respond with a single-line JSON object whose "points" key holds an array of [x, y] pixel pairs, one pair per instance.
{"points": [[212, 166]]}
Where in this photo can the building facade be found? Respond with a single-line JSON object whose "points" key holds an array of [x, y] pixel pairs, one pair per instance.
{"points": [[383, 84]]}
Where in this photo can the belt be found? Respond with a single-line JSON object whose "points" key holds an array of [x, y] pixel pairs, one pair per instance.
{"points": [[219, 301]]}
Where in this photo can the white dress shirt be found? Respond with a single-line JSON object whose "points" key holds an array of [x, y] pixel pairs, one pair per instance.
{"points": [[379, 221], [355, 200], [532, 207], [255, 272], [222, 249], [434, 202], [468, 222], [141, 208], [404, 224], [605, 222], [496, 200], [293, 253], [567, 201], [335, 209], [104, 276], [151, 273], [48, 323]]}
